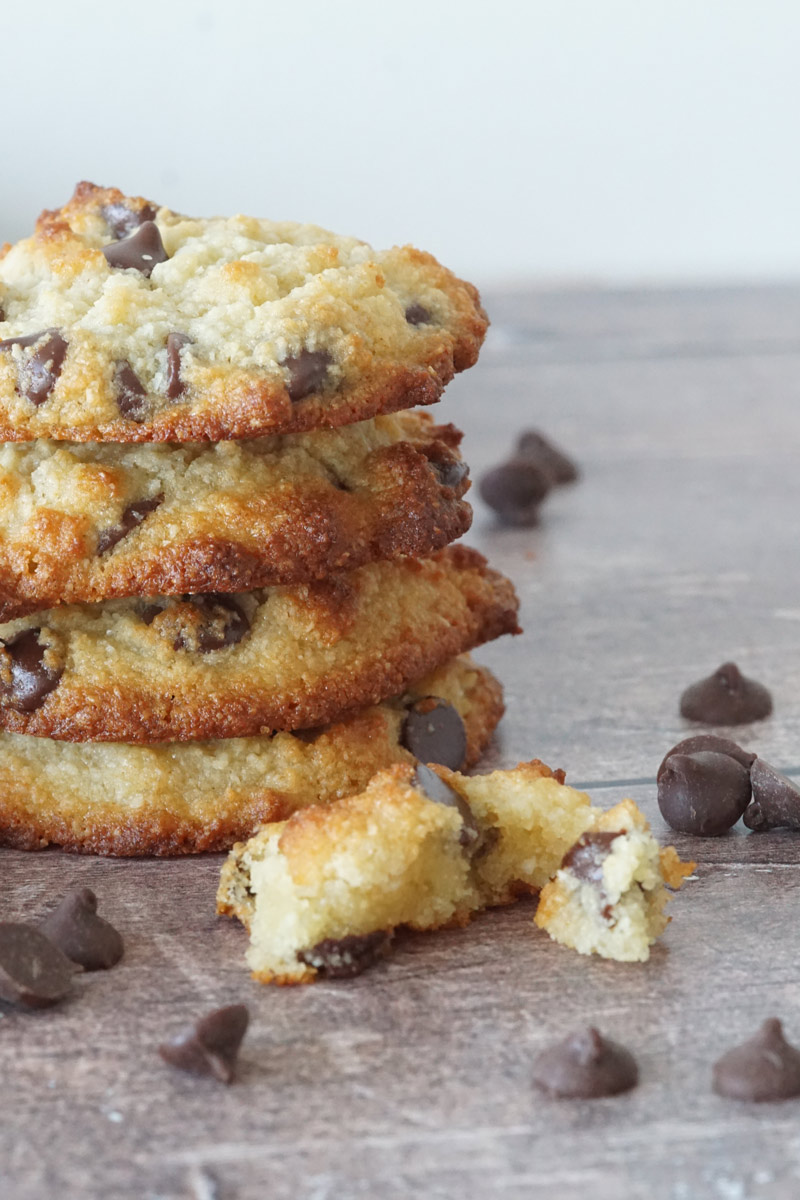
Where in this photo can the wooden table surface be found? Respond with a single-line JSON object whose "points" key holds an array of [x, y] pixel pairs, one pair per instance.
{"points": [[675, 552]]}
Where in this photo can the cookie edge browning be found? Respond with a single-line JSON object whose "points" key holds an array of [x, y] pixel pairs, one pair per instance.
{"points": [[107, 830]]}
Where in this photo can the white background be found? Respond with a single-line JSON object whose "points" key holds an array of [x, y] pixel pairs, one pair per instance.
{"points": [[569, 139]]}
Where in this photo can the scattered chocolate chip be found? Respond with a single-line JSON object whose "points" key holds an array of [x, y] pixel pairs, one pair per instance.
{"points": [[585, 1066], [140, 251], [776, 800], [81, 934], [515, 490], [344, 958], [726, 698], [585, 859], [434, 787], [308, 371], [131, 394], [534, 448], [211, 1045], [33, 972], [703, 793], [709, 741], [38, 374], [434, 733], [765, 1068], [223, 622], [122, 220], [32, 680], [132, 517], [175, 384], [451, 472], [417, 314]]}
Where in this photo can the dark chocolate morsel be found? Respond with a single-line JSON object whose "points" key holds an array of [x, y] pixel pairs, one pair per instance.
{"points": [[704, 793], [175, 343], [709, 741], [39, 372], [132, 517], [585, 859], [131, 394], [536, 449], [434, 733], [2, 313], [81, 934], [515, 490], [140, 251], [211, 1045], [776, 800], [585, 1066], [726, 698], [765, 1068], [417, 314], [436, 789], [123, 221], [223, 623], [33, 972], [344, 958], [450, 473], [26, 339], [32, 680], [308, 371]]}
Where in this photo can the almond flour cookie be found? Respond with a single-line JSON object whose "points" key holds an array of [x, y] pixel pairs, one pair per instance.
{"points": [[86, 522], [322, 893], [218, 666], [126, 322], [202, 796]]}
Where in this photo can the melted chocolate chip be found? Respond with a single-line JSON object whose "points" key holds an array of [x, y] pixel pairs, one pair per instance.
{"points": [[38, 374], [776, 800], [436, 789], [308, 372], [450, 472], [514, 491], [131, 394], [81, 934], [585, 1066], [765, 1068], [417, 314], [434, 733], [33, 972], [123, 221], [131, 518], [534, 448], [344, 958], [585, 859], [149, 612], [175, 384], [223, 623], [211, 1045], [26, 339], [31, 680], [703, 793], [140, 251], [726, 698], [709, 741]]}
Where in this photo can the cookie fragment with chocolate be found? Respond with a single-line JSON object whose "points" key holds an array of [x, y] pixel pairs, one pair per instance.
{"points": [[726, 697]]}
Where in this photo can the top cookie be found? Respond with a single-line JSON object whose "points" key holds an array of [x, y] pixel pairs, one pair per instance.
{"points": [[125, 322]]}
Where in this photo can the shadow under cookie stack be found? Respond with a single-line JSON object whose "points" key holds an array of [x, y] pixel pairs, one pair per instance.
{"points": [[226, 578]]}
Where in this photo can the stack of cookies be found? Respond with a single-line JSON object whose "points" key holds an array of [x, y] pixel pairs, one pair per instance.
{"points": [[226, 577]]}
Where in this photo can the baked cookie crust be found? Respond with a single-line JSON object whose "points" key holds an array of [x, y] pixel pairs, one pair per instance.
{"points": [[125, 321]]}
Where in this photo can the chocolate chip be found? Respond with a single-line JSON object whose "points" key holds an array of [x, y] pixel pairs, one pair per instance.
{"points": [[175, 384], [308, 371], [38, 374], [765, 1068], [709, 741], [344, 958], [434, 733], [450, 472], [33, 972], [140, 251], [81, 934], [585, 1066], [586, 858], [131, 394], [776, 800], [32, 680], [223, 622], [515, 490], [211, 1045], [26, 339], [726, 698], [703, 793], [534, 448], [436, 789], [131, 518], [149, 612], [122, 220], [417, 314]]}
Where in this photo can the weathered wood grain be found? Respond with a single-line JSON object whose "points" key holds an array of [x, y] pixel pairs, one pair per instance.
{"points": [[676, 551]]}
